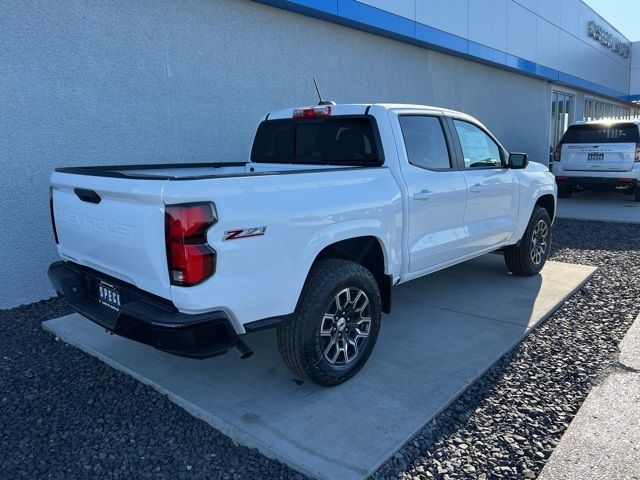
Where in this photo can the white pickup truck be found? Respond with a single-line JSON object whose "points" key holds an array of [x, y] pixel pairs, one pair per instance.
{"points": [[338, 204]]}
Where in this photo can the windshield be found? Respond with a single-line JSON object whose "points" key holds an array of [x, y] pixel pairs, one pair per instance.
{"points": [[602, 133], [334, 140]]}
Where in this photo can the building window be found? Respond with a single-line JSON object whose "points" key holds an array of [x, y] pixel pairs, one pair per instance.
{"points": [[596, 110], [562, 104]]}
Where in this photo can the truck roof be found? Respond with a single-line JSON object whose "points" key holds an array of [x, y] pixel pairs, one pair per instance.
{"points": [[361, 108]]}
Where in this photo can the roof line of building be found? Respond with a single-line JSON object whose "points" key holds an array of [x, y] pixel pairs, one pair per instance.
{"points": [[367, 18]]}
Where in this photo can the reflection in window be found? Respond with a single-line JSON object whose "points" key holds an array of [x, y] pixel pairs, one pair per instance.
{"points": [[478, 149], [598, 110]]}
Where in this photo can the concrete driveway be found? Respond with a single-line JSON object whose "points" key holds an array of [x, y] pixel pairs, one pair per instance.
{"points": [[445, 331], [603, 206]]}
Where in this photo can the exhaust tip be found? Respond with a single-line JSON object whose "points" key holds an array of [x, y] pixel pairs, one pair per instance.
{"points": [[243, 349]]}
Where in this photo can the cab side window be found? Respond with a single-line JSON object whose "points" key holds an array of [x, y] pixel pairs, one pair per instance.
{"points": [[478, 149], [425, 142]]}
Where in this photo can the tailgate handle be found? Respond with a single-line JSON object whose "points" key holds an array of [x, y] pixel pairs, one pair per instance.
{"points": [[87, 195]]}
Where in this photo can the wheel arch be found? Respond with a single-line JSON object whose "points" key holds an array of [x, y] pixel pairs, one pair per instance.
{"points": [[368, 251], [548, 202]]}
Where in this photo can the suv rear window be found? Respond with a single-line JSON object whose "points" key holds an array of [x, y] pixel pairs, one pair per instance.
{"points": [[598, 133], [334, 140]]}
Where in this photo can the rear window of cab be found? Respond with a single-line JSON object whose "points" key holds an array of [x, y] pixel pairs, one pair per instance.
{"points": [[338, 140], [602, 133]]}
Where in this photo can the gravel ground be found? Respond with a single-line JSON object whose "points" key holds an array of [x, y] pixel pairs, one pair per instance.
{"points": [[508, 422], [67, 415]]}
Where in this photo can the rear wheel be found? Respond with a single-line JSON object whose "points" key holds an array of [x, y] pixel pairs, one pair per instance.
{"points": [[336, 323], [529, 256]]}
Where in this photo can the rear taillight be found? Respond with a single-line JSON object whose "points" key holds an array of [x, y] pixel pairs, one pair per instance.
{"points": [[53, 218], [313, 112], [190, 259], [557, 153], [637, 152]]}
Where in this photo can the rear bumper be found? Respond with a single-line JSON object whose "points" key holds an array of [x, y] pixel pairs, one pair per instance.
{"points": [[597, 183], [144, 317]]}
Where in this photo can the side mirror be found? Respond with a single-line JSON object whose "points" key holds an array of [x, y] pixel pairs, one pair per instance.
{"points": [[518, 160]]}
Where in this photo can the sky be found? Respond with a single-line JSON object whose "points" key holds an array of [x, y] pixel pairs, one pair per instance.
{"points": [[624, 15]]}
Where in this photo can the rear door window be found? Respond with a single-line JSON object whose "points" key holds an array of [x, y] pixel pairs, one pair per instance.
{"points": [[598, 133], [335, 140], [425, 142]]}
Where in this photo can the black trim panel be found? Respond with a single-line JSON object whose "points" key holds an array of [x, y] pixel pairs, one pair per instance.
{"points": [[597, 183], [114, 171], [144, 317], [268, 323], [109, 171]]}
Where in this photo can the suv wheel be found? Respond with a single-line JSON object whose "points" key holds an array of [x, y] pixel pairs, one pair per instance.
{"points": [[336, 323], [529, 256]]}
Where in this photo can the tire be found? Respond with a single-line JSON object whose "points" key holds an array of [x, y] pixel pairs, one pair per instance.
{"points": [[564, 192], [522, 259], [305, 342], [636, 194]]}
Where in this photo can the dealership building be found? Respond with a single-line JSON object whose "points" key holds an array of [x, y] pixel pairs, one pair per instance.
{"points": [[154, 81]]}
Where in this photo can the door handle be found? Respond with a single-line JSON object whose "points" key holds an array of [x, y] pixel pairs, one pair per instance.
{"points": [[87, 195], [423, 195], [477, 188]]}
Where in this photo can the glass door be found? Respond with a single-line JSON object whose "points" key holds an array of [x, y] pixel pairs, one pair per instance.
{"points": [[562, 106]]}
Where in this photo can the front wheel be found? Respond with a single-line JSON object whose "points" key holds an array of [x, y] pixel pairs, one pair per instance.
{"points": [[336, 323], [529, 256]]}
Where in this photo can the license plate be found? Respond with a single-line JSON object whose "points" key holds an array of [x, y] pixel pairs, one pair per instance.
{"points": [[108, 296], [595, 156]]}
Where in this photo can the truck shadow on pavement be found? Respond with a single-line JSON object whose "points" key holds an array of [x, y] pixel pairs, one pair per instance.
{"points": [[445, 330]]}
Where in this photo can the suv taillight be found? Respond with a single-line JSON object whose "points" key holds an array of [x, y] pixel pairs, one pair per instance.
{"points": [[190, 259], [637, 152], [53, 218], [557, 153]]}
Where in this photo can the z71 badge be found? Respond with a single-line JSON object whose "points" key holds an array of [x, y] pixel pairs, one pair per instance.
{"points": [[244, 233]]}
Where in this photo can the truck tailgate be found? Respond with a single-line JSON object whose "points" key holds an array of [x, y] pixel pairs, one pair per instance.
{"points": [[113, 225]]}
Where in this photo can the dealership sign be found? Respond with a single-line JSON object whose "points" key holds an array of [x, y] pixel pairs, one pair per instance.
{"points": [[606, 38]]}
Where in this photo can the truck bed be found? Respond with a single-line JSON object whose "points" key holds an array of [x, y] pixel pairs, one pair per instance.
{"points": [[112, 218]]}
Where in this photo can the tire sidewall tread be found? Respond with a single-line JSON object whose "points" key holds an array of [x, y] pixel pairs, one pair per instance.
{"points": [[517, 257], [298, 340]]}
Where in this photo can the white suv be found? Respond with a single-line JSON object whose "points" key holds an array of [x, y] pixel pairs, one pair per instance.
{"points": [[599, 155]]}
